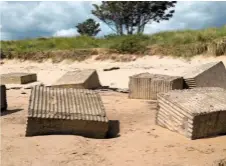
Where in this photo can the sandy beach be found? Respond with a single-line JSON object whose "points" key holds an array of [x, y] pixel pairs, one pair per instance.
{"points": [[48, 72], [140, 142]]}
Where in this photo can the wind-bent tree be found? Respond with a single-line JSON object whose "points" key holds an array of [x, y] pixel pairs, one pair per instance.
{"points": [[88, 27], [129, 16]]}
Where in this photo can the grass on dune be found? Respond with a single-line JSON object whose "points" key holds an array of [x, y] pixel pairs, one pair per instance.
{"points": [[176, 43]]}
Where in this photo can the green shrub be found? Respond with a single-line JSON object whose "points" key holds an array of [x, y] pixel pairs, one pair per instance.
{"points": [[111, 36], [131, 44]]}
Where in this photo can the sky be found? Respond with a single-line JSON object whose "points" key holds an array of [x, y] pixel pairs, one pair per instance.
{"points": [[20, 20]]}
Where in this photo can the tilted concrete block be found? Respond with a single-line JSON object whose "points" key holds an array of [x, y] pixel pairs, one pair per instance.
{"points": [[80, 79], [66, 111], [146, 85], [18, 78], [3, 98], [195, 113], [206, 75]]}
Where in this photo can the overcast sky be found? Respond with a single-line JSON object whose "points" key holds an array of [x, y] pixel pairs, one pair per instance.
{"points": [[34, 19]]}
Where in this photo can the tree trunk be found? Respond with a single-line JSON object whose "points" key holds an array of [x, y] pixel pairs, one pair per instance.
{"points": [[131, 30], [120, 29], [141, 25], [142, 28], [138, 29], [127, 28], [117, 28]]}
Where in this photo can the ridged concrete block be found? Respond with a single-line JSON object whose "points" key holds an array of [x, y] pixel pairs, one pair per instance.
{"points": [[146, 85], [80, 79], [66, 111], [3, 98], [18, 78], [206, 75], [195, 113]]}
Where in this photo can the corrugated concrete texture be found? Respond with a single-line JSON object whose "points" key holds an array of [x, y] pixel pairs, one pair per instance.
{"points": [[206, 75], [80, 79], [3, 98], [18, 78], [213, 92], [66, 111], [146, 85], [194, 113]]}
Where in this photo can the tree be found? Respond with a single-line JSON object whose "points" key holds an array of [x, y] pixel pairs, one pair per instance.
{"points": [[88, 27], [129, 16]]}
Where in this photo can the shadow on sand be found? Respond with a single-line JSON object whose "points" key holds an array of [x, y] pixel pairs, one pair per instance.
{"points": [[8, 112], [113, 129]]}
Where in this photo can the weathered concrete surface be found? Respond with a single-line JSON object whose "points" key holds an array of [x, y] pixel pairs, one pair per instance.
{"points": [[18, 78], [221, 162], [3, 98], [207, 75], [66, 111], [146, 85], [196, 113], [80, 79]]}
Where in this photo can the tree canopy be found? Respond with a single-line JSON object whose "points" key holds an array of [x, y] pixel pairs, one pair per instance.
{"points": [[132, 16], [88, 27]]}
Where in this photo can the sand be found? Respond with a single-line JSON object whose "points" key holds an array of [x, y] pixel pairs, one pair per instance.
{"points": [[140, 142], [48, 73]]}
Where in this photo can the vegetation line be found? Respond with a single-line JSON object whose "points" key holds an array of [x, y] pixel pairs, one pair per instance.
{"points": [[185, 43]]}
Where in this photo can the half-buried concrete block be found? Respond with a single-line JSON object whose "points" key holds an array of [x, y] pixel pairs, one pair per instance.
{"points": [[146, 85], [195, 113], [18, 78], [3, 98], [80, 79], [66, 111], [206, 75]]}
